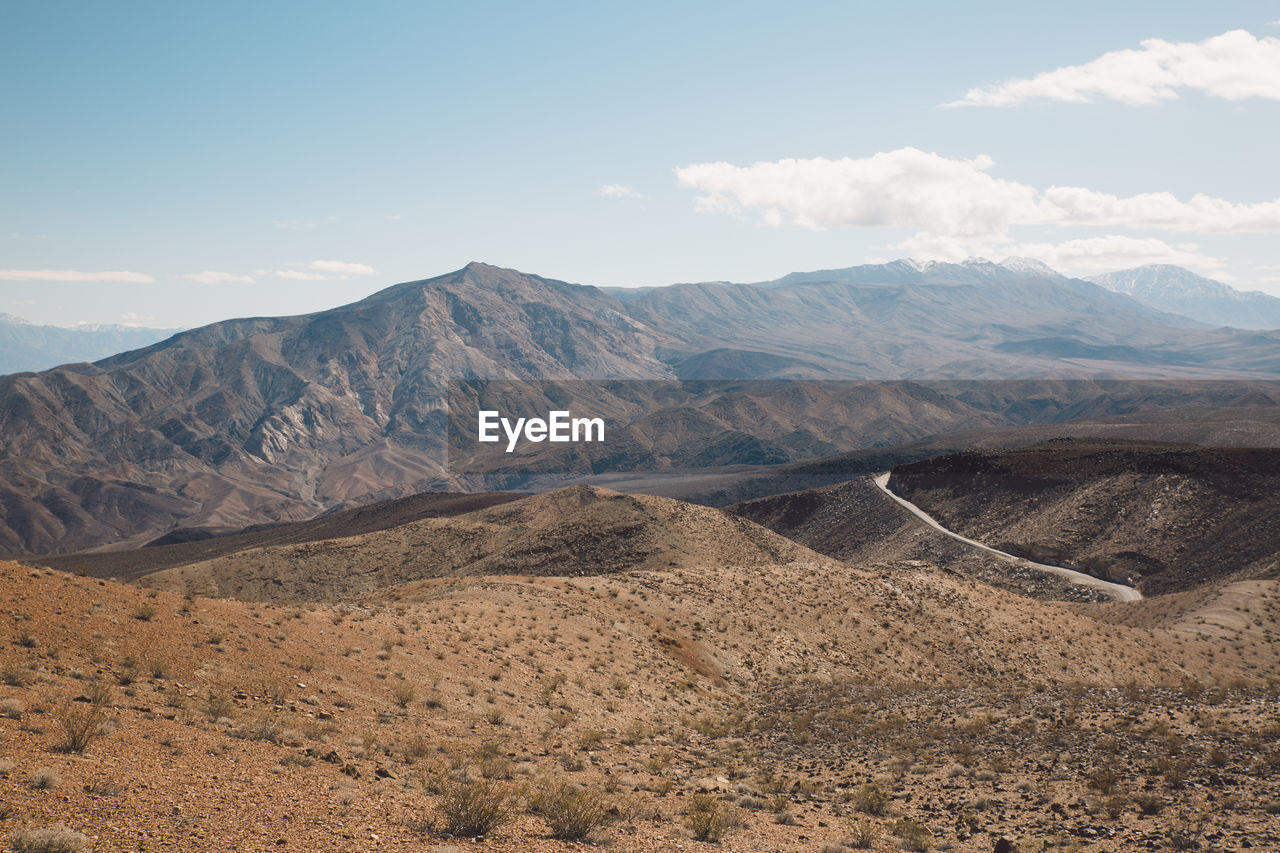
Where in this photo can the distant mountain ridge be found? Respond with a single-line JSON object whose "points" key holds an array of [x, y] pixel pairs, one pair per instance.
{"points": [[1181, 291], [912, 271], [268, 419], [26, 346]]}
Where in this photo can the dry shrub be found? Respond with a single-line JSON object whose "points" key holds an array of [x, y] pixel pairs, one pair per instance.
{"points": [[45, 778], [863, 834], [871, 799], [912, 835], [403, 694], [572, 812], [50, 839], [472, 808], [708, 818], [81, 724], [16, 674], [144, 612]]}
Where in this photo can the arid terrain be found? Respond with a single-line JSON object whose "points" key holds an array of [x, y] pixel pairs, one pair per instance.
{"points": [[569, 427], [641, 672], [1166, 517]]}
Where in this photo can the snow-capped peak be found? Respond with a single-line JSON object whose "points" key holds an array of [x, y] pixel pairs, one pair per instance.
{"points": [[1029, 266]]}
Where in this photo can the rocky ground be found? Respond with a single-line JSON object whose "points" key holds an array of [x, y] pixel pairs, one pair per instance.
{"points": [[799, 706]]}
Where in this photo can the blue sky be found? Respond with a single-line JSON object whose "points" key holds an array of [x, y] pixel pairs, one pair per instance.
{"points": [[176, 163]]}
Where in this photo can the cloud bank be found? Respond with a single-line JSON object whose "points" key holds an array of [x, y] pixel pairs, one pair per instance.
{"points": [[909, 188], [959, 208], [1234, 66]]}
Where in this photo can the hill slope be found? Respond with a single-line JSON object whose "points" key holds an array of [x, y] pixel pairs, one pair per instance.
{"points": [[183, 546], [781, 688], [567, 533]]}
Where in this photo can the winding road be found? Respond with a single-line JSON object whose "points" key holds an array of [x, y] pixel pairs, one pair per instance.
{"points": [[1118, 591]]}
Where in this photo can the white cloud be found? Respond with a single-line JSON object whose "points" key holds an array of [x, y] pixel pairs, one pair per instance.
{"points": [[121, 276], [902, 188], [215, 277], [1234, 66], [948, 201], [1078, 206], [318, 270], [340, 267], [296, 275], [618, 191], [1116, 251]]}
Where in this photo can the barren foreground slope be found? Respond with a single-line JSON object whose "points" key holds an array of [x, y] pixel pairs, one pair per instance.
{"points": [[813, 702]]}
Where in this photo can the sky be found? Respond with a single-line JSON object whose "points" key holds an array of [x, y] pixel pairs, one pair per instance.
{"points": [[174, 164]]}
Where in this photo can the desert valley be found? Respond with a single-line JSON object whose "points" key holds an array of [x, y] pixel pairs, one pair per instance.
{"points": [[762, 650]]}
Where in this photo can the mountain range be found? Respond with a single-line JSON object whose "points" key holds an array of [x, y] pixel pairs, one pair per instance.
{"points": [[265, 419], [26, 346]]}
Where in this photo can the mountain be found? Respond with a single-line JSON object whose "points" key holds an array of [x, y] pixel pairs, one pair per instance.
{"points": [[1181, 291], [976, 321], [270, 419], [25, 346], [280, 418], [911, 271]]}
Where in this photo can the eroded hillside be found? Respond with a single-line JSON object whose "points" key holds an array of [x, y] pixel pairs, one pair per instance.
{"points": [[1167, 517]]}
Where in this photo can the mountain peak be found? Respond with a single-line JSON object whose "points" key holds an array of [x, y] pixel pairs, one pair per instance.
{"points": [[1031, 266], [1162, 280], [1173, 288]]}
